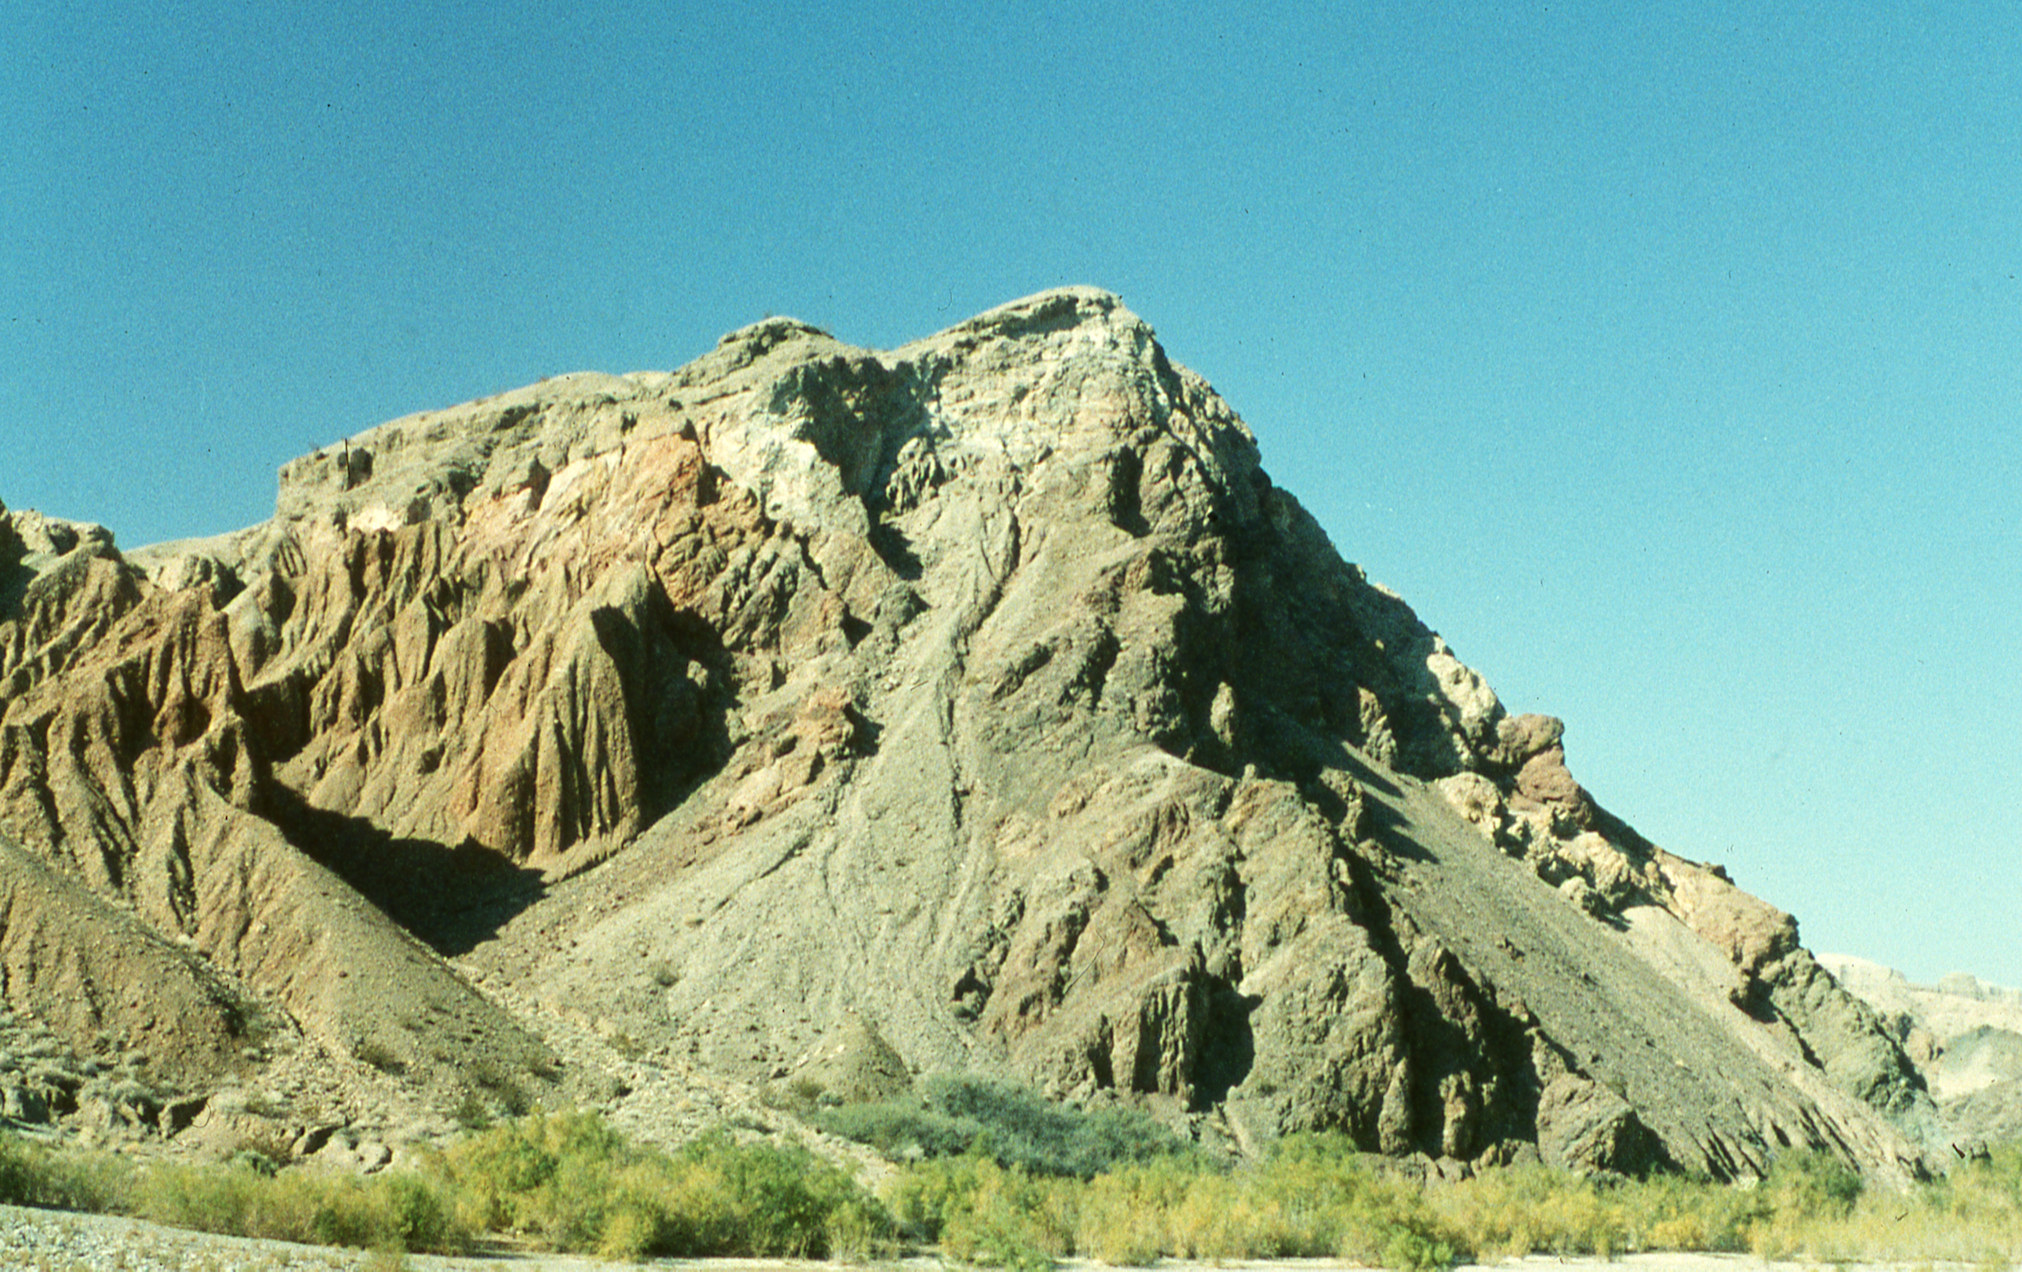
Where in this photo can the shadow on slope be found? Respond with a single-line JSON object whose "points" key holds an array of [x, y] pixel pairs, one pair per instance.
{"points": [[452, 897]]}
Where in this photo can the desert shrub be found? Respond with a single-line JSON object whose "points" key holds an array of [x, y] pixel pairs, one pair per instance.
{"points": [[526, 1176], [1326, 1200], [574, 1182], [377, 1054], [801, 1096], [1011, 1125], [1128, 1216], [781, 1200], [17, 1175], [1314, 1198], [1806, 1195], [96, 1182], [1990, 1188], [627, 1045], [983, 1213], [1973, 1215], [418, 1214], [215, 1198], [925, 1194], [900, 1129], [1809, 1183], [490, 1076], [1809, 1205], [390, 1211], [266, 1149], [31, 1175], [1674, 1212], [470, 1112], [1524, 1210], [237, 1198], [1538, 1210], [1022, 1128]]}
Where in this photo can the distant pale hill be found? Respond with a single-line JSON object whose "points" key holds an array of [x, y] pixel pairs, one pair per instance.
{"points": [[817, 718], [1965, 1034]]}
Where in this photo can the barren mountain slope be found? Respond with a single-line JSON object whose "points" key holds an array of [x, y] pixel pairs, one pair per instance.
{"points": [[982, 701]]}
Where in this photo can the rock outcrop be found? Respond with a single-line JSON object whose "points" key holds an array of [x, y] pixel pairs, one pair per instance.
{"points": [[977, 705]]}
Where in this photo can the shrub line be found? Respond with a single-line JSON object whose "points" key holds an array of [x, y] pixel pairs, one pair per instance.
{"points": [[1020, 1184]]}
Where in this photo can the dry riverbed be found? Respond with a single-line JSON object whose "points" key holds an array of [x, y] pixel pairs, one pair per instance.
{"points": [[48, 1241]]}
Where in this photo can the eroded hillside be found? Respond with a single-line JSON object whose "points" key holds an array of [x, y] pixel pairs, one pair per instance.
{"points": [[980, 703]]}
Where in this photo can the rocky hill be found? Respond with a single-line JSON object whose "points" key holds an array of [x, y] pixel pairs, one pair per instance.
{"points": [[1964, 1034], [823, 715]]}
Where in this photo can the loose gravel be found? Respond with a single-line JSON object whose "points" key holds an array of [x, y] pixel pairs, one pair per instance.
{"points": [[53, 1241]]}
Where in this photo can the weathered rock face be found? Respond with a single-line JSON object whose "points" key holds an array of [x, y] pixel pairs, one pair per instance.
{"points": [[982, 700]]}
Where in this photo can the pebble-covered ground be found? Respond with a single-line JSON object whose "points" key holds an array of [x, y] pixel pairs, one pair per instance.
{"points": [[43, 1241], [49, 1241]]}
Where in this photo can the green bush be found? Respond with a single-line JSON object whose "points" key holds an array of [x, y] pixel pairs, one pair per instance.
{"points": [[1810, 1183], [31, 1175], [982, 1213], [781, 1200], [1806, 1198], [1672, 1212], [1314, 1198], [17, 1175], [395, 1210], [900, 1130], [1328, 1201], [574, 1182], [1011, 1125], [418, 1215]]}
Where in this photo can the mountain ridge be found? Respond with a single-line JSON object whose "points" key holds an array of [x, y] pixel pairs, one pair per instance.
{"points": [[981, 701]]}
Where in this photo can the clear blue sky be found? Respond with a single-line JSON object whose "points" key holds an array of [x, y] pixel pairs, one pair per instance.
{"points": [[1666, 357]]}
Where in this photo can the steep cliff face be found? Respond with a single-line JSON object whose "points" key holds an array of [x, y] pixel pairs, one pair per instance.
{"points": [[983, 699]]}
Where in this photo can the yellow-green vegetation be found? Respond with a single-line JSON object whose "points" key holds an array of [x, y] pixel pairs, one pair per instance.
{"points": [[34, 1176], [245, 1197], [1317, 1197], [572, 1182], [392, 1211], [567, 1179]]}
